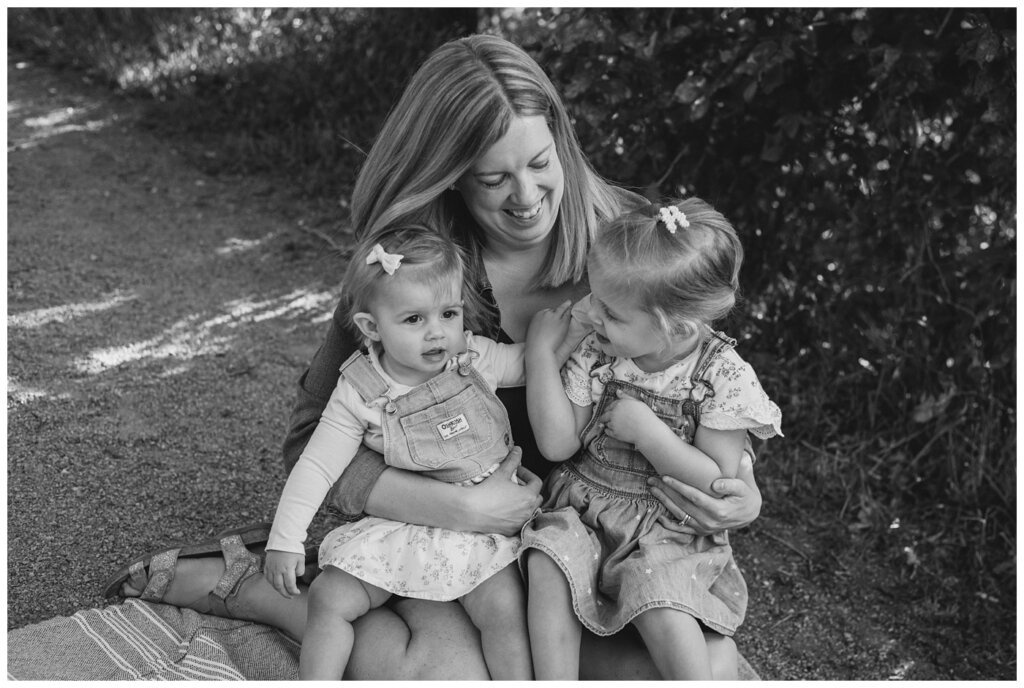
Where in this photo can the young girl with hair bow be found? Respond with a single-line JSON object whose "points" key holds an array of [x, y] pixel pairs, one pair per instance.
{"points": [[653, 390], [423, 395]]}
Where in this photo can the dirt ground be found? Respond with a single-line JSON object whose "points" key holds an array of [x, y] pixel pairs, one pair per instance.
{"points": [[158, 318]]}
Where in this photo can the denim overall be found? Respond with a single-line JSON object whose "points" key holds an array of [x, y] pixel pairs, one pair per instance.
{"points": [[452, 428], [619, 547]]}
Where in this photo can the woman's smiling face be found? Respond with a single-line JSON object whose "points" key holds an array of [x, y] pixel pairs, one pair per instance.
{"points": [[514, 189]]}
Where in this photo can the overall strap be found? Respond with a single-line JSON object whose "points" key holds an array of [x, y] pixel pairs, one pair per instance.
{"points": [[602, 359], [715, 344], [710, 349], [359, 372]]}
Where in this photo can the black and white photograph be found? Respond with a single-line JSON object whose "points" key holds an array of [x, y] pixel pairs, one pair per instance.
{"points": [[493, 343]]}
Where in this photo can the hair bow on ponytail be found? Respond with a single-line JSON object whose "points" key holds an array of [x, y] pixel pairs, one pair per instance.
{"points": [[388, 261], [669, 215], [673, 218]]}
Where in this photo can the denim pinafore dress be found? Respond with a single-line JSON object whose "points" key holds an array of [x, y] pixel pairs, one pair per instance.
{"points": [[453, 428], [618, 546]]}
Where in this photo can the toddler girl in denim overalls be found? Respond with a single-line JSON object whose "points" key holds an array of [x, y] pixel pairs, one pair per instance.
{"points": [[423, 395], [652, 390]]}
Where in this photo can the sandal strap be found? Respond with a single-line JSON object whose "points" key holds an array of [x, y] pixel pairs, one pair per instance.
{"points": [[161, 573], [239, 565]]}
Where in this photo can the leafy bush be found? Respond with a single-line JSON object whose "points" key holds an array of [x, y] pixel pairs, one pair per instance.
{"points": [[297, 91], [867, 157]]}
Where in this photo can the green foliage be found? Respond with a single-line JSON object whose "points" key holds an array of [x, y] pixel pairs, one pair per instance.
{"points": [[867, 156]]}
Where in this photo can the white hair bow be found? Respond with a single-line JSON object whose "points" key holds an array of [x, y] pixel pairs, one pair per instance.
{"points": [[388, 261], [673, 217]]}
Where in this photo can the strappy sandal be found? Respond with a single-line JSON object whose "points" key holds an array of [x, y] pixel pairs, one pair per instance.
{"points": [[154, 572]]}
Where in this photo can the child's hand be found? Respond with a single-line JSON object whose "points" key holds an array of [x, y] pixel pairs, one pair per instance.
{"points": [[626, 418], [548, 328], [282, 568], [578, 329]]}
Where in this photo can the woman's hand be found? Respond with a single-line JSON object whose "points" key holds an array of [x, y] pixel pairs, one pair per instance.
{"points": [[738, 503], [501, 503]]}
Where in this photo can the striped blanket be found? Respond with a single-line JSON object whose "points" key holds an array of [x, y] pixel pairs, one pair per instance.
{"points": [[145, 641]]}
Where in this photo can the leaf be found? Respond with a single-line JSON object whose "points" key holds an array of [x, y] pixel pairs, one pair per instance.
{"points": [[750, 91], [892, 55], [631, 39], [677, 34], [771, 151], [861, 33], [579, 84], [932, 406], [988, 48], [790, 124], [699, 108], [690, 90]]}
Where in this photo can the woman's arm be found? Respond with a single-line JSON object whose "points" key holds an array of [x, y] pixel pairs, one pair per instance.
{"points": [[737, 502], [496, 505]]}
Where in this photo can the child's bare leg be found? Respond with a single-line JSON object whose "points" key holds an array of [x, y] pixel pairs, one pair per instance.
{"points": [[498, 609], [676, 643], [336, 599], [554, 629], [724, 657]]}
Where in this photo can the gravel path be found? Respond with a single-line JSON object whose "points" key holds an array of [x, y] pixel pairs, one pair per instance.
{"points": [[157, 321]]}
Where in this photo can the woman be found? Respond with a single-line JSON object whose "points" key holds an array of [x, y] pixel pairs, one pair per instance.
{"points": [[479, 145]]}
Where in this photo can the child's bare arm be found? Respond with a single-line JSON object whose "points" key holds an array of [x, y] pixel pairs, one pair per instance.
{"points": [[552, 416], [725, 447], [715, 454]]}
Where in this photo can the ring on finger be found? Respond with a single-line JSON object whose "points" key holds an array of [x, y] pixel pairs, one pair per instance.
{"points": [[685, 519]]}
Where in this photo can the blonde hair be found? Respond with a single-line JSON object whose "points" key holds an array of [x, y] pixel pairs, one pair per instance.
{"points": [[681, 278], [419, 246], [459, 103]]}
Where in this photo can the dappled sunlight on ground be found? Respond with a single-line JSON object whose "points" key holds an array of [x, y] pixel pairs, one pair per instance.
{"points": [[291, 305], [29, 124], [60, 314], [236, 245], [55, 118], [52, 124], [196, 336], [18, 393]]}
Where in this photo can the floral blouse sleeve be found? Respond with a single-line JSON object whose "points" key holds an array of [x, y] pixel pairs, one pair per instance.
{"points": [[739, 401], [576, 373]]}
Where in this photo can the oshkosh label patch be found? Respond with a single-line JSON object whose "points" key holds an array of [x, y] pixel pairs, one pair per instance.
{"points": [[453, 427]]}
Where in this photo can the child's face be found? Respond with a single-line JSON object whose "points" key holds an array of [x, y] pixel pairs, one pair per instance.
{"points": [[623, 328], [418, 324]]}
